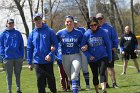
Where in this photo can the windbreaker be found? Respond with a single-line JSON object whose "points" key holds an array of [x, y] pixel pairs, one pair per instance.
{"points": [[11, 44], [98, 45], [39, 45], [112, 34]]}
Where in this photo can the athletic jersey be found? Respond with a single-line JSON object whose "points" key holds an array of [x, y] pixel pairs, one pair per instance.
{"points": [[70, 41], [39, 45], [112, 34], [128, 42], [98, 45]]}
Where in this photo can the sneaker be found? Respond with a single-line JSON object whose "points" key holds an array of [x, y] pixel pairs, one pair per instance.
{"points": [[104, 91], [87, 87], [138, 71], [9, 91], [19, 92], [79, 87], [123, 73], [115, 85], [107, 85]]}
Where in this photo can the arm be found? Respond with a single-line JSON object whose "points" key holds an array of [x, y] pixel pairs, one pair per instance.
{"points": [[2, 48], [21, 45], [30, 49]]}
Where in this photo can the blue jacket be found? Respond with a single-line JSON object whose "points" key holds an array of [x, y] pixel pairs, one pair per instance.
{"points": [[98, 45], [70, 41], [112, 34], [11, 44], [39, 45], [59, 55], [82, 29]]}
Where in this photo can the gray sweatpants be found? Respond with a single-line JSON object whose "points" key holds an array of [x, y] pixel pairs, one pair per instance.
{"points": [[84, 63], [72, 65], [10, 65]]}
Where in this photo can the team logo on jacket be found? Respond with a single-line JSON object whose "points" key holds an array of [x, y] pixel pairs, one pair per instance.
{"points": [[95, 41], [127, 38], [44, 36]]}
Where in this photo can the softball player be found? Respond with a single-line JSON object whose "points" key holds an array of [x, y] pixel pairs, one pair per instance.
{"points": [[70, 40]]}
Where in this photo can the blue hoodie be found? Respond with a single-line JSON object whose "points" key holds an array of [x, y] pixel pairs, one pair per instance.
{"points": [[112, 34], [98, 45], [70, 41], [11, 44], [39, 45]]}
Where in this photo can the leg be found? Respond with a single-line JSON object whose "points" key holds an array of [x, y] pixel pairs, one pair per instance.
{"points": [[136, 64], [9, 72], [50, 77], [62, 76], [84, 66], [41, 78], [103, 67], [17, 71], [94, 69], [124, 67], [75, 69]]}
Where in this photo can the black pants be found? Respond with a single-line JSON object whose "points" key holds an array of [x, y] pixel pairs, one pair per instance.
{"points": [[43, 72], [99, 67]]}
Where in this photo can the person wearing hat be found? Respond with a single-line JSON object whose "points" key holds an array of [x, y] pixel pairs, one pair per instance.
{"points": [[39, 51], [12, 52], [84, 63], [98, 52], [114, 44]]}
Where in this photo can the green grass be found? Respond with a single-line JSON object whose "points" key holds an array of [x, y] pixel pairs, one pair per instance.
{"points": [[129, 83]]}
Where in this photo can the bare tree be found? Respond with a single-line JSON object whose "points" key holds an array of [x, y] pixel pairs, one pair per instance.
{"points": [[132, 16], [20, 8]]}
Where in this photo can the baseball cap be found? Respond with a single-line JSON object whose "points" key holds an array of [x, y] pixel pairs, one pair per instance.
{"points": [[10, 20], [99, 15], [37, 15], [75, 19]]}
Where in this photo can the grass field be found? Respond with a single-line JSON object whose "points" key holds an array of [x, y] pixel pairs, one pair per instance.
{"points": [[129, 83]]}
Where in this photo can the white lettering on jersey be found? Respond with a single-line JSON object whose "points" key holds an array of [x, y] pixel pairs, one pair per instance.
{"points": [[127, 38], [95, 41]]}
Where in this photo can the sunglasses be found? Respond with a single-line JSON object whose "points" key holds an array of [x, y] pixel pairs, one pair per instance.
{"points": [[93, 25], [38, 18], [99, 18], [69, 16]]}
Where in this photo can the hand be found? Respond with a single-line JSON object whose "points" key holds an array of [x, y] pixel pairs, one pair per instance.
{"points": [[52, 48], [48, 58], [30, 67], [114, 49], [135, 51], [123, 52], [84, 48], [91, 58]]}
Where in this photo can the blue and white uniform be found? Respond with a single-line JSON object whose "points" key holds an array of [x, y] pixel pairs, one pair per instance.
{"points": [[71, 58]]}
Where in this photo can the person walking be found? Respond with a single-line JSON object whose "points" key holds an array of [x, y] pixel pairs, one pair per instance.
{"points": [[128, 47], [84, 63], [12, 52], [98, 52], [70, 40], [39, 51], [114, 45]]}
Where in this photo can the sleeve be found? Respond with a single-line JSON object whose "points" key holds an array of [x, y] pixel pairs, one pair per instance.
{"points": [[30, 49], [108, 46], [122, 43], [85, 42], [2, 48], [54, 42], [21, 45]]}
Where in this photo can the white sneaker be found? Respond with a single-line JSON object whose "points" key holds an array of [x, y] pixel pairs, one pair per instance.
{"points": [[87, 87]]}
